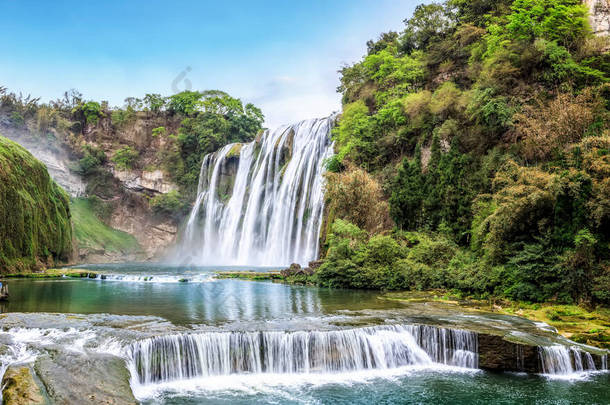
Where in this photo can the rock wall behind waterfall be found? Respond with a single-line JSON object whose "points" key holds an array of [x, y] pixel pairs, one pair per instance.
{"points": [[261, 203]]}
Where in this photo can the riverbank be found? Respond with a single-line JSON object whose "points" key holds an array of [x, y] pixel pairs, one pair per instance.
{"points": [[53, 273], [250, 275]]}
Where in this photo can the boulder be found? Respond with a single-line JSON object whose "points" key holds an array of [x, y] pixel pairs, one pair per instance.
{"points": [[71, 377], [293, 270], [20, 387]]}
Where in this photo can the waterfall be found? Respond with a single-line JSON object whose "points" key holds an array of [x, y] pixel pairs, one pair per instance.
{"points": [[261, 203], [566, 360], [185, 356]]}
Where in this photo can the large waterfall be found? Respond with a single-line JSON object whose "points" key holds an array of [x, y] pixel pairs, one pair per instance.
{"points": [[261, 203], [185, 356]]}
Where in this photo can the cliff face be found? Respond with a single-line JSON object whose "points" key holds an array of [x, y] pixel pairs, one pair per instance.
{"points": [[57, 157], [599, 16], [122, 192], [127, 189], [35, 229]]}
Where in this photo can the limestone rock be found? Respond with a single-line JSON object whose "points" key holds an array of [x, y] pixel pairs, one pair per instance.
{"points": [[599, 11], [78, 378], [151, 181], [20, 387]]}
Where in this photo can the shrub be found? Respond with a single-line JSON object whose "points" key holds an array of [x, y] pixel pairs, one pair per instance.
{"points": [[93, 157], [121, 118], [125, 157], [159, 131], [547, 128], [171, 204], [353, 195], [92, 111], [154, 102]]}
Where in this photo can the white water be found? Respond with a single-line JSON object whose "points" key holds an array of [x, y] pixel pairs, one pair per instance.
{"points": [[182, 357], [272, 213], [567, 362], [157, 278]]}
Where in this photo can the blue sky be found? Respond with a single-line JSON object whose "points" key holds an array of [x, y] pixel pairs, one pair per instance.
{"points": [[281, 55]]}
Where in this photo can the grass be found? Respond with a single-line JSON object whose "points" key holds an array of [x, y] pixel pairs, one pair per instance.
{"points": [[582, 325], [92, 233], [54, 273], [250, 275]]}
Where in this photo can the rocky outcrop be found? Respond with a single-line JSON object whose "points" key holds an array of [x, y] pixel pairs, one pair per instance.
{"points": [[295, 269], [132, 214], [599, 16], [152, 182], [19, 387], [498, 354], [125, 191], [71, 377], [57, 157]]}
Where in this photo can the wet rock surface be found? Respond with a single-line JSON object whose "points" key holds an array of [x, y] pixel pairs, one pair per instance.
{"points": [[20, 387], [75, 378]]}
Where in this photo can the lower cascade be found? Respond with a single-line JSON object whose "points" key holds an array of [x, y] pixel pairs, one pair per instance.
{"points": [[185, 356], [261, 203], [567, 360]]}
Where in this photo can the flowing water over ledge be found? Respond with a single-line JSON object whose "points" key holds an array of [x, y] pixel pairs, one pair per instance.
{"points": [[232, 341], [261, 203]]}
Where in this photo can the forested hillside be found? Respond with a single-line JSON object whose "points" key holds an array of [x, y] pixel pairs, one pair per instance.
{"points": [[473, 154]]}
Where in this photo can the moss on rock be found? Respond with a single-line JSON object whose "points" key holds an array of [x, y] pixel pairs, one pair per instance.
{"points": [[35, 229], [20, 387]]}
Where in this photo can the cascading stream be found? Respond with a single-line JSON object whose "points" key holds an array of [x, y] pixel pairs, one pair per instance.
{"points": [[186, 356], [261, 203], [563, 360]]}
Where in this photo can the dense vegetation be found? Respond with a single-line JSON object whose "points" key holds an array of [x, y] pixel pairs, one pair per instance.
{"points": [[205, 121], [35, 229], [482, 130]]}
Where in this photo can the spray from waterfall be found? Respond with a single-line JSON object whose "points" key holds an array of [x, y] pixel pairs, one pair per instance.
{"points": [[261, 203]]}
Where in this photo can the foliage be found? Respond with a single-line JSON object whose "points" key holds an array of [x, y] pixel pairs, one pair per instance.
{"points": [[35, 229], [564, 21], [125, 158], [216, 119], [485, 123], [354, 196], [171, 204], [159, 131], [547, 128], [185, 103], [120, 118], [154, 102], [93, 157], [91, 111]]}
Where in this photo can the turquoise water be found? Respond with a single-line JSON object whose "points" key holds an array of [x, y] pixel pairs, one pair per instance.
{"points": [[417, 387], [156, 290]]}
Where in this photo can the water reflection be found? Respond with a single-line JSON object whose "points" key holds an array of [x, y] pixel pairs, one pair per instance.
{"points": [[185, 303]]}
